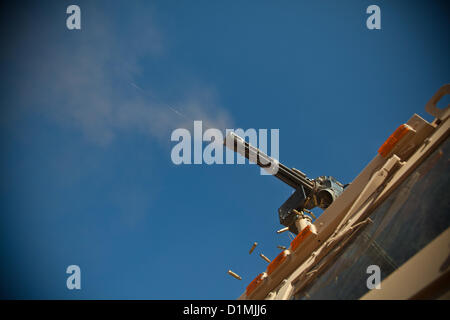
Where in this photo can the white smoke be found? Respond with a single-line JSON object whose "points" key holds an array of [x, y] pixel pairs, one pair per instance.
{"points": [[90, 84]]}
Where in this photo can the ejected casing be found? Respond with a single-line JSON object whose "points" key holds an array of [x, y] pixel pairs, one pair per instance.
{"points": [[253, 247], [264, 257], [281, 247], [282, 230], [234, 275]]}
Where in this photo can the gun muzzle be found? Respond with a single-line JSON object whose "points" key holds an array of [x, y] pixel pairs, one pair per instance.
{"points": [[293, 178]]}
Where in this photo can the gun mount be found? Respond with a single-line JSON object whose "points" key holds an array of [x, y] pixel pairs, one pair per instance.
{"points": [[308, 194]]}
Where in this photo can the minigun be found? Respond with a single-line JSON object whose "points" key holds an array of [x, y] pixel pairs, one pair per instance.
{"points": [[308, 194]]}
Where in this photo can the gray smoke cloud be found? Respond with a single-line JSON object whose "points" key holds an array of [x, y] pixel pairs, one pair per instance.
{"points": [[87, 80]]}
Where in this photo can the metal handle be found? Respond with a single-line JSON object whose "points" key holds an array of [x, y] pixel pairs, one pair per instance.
{"points": [[431, 106]]}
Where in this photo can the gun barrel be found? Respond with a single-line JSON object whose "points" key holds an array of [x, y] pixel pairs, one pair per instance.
{"points": [[293, 178]]}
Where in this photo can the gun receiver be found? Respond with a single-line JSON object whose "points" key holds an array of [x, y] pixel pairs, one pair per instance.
{"points": [[308, 194]]}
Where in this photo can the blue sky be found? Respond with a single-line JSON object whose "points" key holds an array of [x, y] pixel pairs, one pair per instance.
{"points": [[86, 174]]}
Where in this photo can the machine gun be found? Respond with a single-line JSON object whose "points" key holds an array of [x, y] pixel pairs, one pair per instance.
{"points": [[308, 194]]}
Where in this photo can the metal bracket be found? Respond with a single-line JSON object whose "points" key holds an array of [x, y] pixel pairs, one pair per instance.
{"points": [[431, 106]]}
